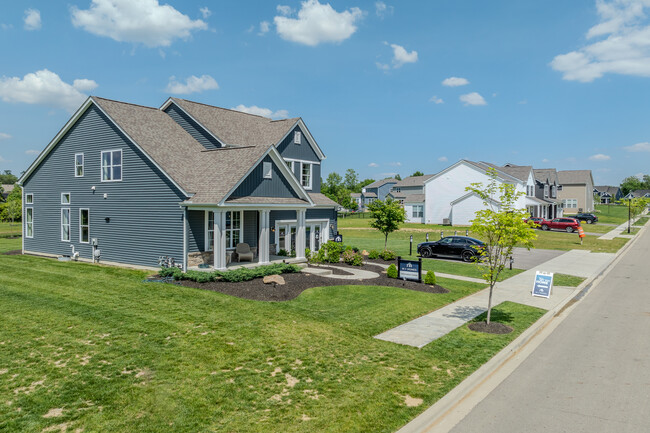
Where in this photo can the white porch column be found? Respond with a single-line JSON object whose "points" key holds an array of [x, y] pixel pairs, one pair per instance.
{"points": [[264, 242], [301, 241], [219, 240]]}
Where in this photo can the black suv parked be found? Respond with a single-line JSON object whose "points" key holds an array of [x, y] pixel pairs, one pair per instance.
{"points": [[589, 218]]}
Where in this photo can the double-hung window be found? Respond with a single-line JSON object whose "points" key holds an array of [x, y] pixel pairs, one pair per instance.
{"points": [[84, 226], [305, 175], [210, 230], [111, 165], [297, 139], [418, 211], [233, 228], [29, 222], [65, 198], [65, 224], [29, 198], [78, 165]]}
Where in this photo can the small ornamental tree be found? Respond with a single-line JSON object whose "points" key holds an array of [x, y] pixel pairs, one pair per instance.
{"points": [[501, 224], [387, 216]]}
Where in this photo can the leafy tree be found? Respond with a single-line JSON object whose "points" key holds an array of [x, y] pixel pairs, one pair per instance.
{"points": [[2, 190], [351, 179], [363, 183], [387, 216], [633, 182], [502, 225], [12, 209], [418, 173], [332, 184], [7, 178], [398, 177]]}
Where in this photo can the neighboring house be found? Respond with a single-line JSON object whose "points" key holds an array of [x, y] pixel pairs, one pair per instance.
{"points": [[447, 201], [410, 193], [6, 190], [638, 193], [547, 185], [608, 194], [356, 198], [577, 191], [376, 191], [130, 184]]}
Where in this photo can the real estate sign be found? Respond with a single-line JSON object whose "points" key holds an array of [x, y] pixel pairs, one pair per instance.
{"points": [[409, 269], [543, 284]]}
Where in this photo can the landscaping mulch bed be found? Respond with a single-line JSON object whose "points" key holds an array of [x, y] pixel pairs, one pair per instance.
{"points": [[299, 282], [13, 253], [492, 328]]}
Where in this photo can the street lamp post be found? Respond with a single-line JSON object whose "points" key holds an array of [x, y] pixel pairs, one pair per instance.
{"points": [[629, 214]]}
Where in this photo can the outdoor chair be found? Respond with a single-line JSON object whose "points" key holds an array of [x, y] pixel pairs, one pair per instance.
{"points": [[244, 252]]}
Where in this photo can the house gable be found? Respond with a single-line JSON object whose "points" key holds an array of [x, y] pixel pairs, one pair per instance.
{"points": [[256, 185], [192, 127]]}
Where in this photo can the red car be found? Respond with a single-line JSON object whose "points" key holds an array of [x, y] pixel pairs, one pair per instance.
{"points": [[537, 221], [568, 224]]}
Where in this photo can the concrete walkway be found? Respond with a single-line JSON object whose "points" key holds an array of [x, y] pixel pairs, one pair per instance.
{"points": [[354, 274], [425, 329]]}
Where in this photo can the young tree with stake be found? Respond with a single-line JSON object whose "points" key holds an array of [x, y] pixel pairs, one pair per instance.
{"points": [[387, 216]]}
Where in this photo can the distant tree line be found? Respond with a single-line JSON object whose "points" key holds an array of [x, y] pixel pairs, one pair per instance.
{"points": [[11, 208], [632, 183]]}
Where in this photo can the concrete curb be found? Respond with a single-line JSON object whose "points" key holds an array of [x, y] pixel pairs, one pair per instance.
{"points": [[437, 417]]}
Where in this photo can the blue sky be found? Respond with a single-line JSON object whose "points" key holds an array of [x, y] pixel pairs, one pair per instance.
{"points": [[384, 86]]}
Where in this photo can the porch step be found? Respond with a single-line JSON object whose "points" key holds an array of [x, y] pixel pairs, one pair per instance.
{"points": [[317, 271]]}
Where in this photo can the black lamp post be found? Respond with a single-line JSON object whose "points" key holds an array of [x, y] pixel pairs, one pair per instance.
{"points": [[629, 214]]}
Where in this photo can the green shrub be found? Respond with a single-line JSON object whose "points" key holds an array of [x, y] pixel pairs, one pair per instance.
{"points": [[430, 278], [391, 272], [283, 253], [333, 251], [358, 259], [171, 272], [308, 254], [388, 255], [373, 254], [352, 258], [233, 276]]}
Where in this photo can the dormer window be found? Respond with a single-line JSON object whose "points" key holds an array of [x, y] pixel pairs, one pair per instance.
{"points": [[297, 137], [546, 190]]}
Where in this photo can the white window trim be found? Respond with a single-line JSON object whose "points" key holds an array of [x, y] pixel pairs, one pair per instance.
{"points": [[27, 198], [311, 175], [546, 190], [63, 210], [420, 209], [267, 170], [101, 166], [27, 223], [301, 160], [207, 244], [69, 198], [297, 137], [208, 247], [325, 233], [240, 229], [83, 168], [80, 226]]}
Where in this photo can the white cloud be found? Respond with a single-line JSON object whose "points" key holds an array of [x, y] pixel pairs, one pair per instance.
{"points": [[32, 19], [373, 164], [316, 23], [455, 82], [192, 84], [6, 26], [523, 102], [142, 21], [545, 160], [436, 100], [264, 112], [401, 56], [205, 12], [45, 88], [638, 147], [284, 10], [382, 66], [265, 26], [382, 9], [395, 164], [443, 159], [32, 152], [4, 136], [600, 157], [624, 47], [472, 99]]}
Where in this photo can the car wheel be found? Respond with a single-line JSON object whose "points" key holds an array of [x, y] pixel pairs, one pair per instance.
{"points": [[589, 221], [544, 227], [467, 256], [426, 252], [569, 229]]}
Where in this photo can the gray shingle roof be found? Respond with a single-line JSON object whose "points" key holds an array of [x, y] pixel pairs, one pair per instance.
{"points": [[572, 177], [543, 174], [234, 128], [378, 183], [414, 198], [370, 194], [520, 172], [639, 192], [321, 199], [413, 181], [611, 190]]}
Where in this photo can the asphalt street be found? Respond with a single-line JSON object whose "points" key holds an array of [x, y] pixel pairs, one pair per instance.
{"points": [[592, 373]]}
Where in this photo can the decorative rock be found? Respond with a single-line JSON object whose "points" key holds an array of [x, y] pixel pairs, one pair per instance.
{"points": [[276, 279], [365, 253]]}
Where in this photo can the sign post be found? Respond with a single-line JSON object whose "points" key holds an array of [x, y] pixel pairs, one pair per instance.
{"points": [[411, 246], [543, 284], [409, 269], [338, 238]]}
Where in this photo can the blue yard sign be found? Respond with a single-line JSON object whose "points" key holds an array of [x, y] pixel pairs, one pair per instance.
{"points": [[543, 284], [409, 269], [338, 238]]}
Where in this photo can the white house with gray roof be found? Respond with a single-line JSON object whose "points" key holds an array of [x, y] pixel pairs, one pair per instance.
{"points": [[377, 190], [410, 193], [127, 184]]}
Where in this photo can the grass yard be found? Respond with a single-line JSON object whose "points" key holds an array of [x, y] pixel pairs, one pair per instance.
{"points": [[567, 280], [613, 214], [10, 244], [94, 348], [8, 229]]}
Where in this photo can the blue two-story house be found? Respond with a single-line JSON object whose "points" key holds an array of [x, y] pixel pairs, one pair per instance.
{"points": [[127, 184], [377, 190]]}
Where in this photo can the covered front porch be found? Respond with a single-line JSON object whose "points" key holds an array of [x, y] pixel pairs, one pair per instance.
{"points": [[543, 208], [268, 235]]}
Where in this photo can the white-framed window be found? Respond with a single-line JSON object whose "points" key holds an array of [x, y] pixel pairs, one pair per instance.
{"points": [[305, 175], [210, 231], [112, 165], [65, 198], [29, 222], [267, 170], [234, 228], [297, 137], [546, 190], [418, 211], [553, 191], [29, 198], [397, 189], [84, 226], [290, 165], [78, 165], [65, 224], [570, 203]]}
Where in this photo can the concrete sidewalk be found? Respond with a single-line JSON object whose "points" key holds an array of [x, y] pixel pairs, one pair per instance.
{"points": [[425, 329]]}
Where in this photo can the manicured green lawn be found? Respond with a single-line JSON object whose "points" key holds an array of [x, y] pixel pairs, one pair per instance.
{"points": [[7, 244], [8, 229], [556, 240], [567, 280], [94, 348], [614, 214]]}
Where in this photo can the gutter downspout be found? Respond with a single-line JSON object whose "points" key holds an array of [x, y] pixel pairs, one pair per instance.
{"points": [[185, 223]]}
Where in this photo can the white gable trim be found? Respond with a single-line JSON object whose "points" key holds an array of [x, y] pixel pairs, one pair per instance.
{"points": [[282, 166], [468, 195], [171, 101], [308, 136], [503, 177]]}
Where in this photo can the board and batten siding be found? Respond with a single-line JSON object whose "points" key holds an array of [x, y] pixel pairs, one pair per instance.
{"points": [[302, 152], [255, 185], [199, 133], [137, 221], [324, 214]]}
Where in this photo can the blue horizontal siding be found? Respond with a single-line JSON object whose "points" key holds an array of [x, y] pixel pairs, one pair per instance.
{"points": [[196, 235], [197, 131]]}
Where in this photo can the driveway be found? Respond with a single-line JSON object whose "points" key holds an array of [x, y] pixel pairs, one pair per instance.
{"points": [[525, 259]]}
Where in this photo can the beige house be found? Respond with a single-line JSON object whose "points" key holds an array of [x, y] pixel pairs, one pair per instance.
{"points": [[576, 191]]}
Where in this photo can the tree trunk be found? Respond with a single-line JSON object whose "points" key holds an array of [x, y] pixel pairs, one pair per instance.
{"points": [[385, 241], [489, 311]]}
